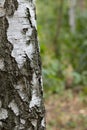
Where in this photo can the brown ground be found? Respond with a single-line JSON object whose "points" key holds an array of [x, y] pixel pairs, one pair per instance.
{"points": [[66, 112]]}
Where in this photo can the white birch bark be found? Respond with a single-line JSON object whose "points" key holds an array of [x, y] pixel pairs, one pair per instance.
{"points": [[21, 93]]}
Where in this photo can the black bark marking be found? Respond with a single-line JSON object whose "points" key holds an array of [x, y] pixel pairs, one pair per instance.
{"points": [[25, 30], [28, 15], [10, 6]]}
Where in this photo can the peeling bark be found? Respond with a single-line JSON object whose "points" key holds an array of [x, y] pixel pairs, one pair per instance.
{"points": [[21, 93]]}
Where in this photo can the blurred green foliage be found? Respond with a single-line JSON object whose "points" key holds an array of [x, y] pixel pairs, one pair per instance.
{"points": [[60, 47]]}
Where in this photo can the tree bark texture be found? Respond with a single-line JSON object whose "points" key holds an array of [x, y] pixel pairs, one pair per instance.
{"points": [[21, 93]]}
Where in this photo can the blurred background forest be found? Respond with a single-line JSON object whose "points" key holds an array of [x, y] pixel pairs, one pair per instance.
{"points": [[62, 30]]}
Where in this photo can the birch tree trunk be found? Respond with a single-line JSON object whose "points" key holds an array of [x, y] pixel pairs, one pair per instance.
{"points": [[21, 93], [72, 23]]}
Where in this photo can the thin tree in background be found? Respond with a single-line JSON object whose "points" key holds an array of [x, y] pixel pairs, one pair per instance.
{"points": [[58, 29], [82, 4], [72, 9], [57, 46], [21, 93]]}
